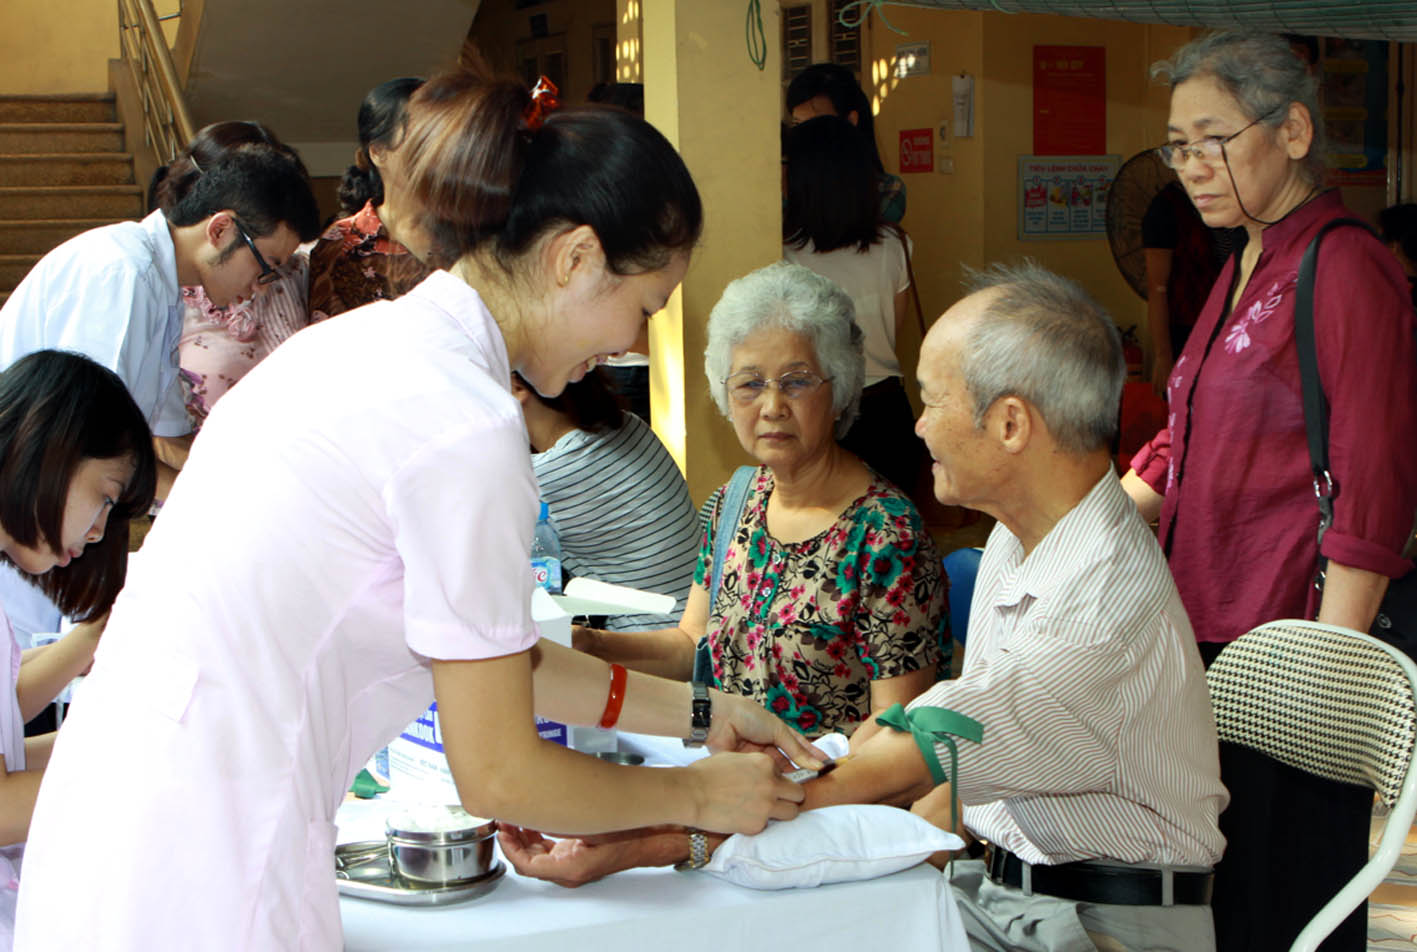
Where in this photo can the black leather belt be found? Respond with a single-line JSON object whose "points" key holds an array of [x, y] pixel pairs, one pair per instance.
{"points": [[1099, 883]]}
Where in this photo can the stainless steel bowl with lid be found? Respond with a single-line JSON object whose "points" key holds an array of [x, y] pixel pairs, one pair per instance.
{"points": [[440, 845]]}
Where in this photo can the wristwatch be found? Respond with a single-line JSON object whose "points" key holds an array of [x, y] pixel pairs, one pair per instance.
{"points": [[700, 716], [698, 852]]}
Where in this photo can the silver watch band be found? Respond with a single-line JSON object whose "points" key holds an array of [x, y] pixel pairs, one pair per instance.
{"points": [[698, 852], [700, 716]]}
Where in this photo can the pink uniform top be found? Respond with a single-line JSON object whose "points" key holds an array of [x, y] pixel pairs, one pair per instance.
{"points": [[1239, 523], [241, 684]]}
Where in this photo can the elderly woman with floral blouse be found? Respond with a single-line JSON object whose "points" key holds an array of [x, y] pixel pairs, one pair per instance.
{"points": [[831, 602]]}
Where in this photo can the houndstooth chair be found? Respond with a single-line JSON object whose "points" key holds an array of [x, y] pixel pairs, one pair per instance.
{"points": [[1338, 704]]}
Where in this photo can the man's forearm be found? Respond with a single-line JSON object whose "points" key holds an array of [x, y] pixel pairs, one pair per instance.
{"points": [[889, 768]]}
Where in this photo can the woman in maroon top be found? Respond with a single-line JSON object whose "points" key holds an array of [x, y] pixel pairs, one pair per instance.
{"points": [[365, 256], [1229, 478]]}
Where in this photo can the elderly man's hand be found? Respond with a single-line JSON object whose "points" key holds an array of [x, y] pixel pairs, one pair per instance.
{"points": [[573, 862]]}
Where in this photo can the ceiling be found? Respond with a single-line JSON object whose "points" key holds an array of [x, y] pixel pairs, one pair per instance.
{"points": [[1356, 19], [303, 68]]}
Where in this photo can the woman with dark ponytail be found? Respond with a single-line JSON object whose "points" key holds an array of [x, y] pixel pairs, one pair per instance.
{"points": [[375, 252], [76, 463], [377, 559]]}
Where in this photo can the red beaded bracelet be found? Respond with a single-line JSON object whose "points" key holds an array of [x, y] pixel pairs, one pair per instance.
{"points": [[616, 700]]}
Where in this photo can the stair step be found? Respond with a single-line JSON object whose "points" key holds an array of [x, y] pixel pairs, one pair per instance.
{"points": [[37, 236], [110, 202], [13, 269], [48, 137], [67, 168], [93, 107]]}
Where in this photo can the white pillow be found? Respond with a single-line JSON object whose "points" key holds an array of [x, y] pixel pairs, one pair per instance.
{"points": [[830, 845]]}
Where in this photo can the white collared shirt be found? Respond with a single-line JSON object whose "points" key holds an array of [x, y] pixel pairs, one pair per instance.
{"points": [[110, 293], [1099, 739]]}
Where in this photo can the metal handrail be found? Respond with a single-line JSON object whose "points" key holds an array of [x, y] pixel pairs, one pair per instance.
{"points": [[167, 126]]}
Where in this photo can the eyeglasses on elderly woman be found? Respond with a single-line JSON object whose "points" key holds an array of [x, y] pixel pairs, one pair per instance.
{"points": [[745, 388], [1209, 149]]}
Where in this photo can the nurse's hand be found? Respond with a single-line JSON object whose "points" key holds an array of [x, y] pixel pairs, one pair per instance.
{"points": [[739, 793], [740, 724]]}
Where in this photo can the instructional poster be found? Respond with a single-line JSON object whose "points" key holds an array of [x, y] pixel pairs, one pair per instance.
{"points": [[1064, 196], [1354, 97], [1069, 100]]}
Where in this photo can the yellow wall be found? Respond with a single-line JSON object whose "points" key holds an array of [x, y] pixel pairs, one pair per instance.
{"points": [[56, 46], [944, 212], [722, 113], [970, 216]]}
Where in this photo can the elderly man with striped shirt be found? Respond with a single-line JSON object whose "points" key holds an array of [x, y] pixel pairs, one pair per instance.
{"points": [[1079, 737], [1096, 779]]}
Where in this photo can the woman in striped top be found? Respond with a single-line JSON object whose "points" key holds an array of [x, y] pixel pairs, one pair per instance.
{"points": [[617, 498]]}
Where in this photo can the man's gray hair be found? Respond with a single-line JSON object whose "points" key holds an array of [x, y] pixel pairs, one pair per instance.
{"points": [[794, 298], [1261, 71], [1044, 339]]}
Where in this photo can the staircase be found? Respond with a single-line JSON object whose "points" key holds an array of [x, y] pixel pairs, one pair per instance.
{"points": [[62, 171]]}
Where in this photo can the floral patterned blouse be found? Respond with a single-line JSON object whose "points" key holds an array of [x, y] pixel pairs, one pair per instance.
{"points": [[219, 345], [355, 262], [805, 627]]}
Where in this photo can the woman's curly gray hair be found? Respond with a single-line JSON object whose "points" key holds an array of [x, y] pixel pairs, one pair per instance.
{"points": [[794, 298]]}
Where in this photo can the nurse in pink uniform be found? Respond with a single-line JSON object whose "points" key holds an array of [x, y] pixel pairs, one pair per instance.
{"points": [[63, 522], [349, 539]]}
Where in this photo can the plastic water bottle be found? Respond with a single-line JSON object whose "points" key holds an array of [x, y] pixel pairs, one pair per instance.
{"points": [[546, 553]]}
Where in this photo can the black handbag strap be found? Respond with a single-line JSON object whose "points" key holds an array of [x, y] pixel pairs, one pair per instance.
{"points": [[1315, 403]]}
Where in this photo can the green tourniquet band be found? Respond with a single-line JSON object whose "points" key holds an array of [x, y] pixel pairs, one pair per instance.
{"points": [[930, 726], [936, 725]]}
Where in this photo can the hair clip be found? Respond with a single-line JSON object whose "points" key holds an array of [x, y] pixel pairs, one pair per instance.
{"points": [[193, 159], [543, 100]]}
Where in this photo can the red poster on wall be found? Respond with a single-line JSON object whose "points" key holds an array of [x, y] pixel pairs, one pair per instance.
{"points": [[1069, 100], [917, 150]]}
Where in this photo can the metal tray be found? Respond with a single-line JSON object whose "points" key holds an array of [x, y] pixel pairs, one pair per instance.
{"points": [[371, 877]]}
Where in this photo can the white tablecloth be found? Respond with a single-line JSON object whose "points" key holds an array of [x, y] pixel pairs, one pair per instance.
{"points": [[911, 911]]}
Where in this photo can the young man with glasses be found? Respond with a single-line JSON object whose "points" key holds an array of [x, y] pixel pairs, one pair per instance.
{"points": [[228, 211]]}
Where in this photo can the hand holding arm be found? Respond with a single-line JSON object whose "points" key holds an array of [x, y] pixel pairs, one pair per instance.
{"points": [[504, 770], [45, 670], [889, 769]]}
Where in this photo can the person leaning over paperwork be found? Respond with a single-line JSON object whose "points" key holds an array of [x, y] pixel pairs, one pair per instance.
{"points": [[1095, 778], [231, 208]]}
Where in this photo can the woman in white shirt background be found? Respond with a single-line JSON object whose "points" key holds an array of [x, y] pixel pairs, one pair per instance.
{"points": [[832, 224]]}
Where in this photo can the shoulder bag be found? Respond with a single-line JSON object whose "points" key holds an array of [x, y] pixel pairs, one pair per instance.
{"points": [[1396, 621], [730, 513]]}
